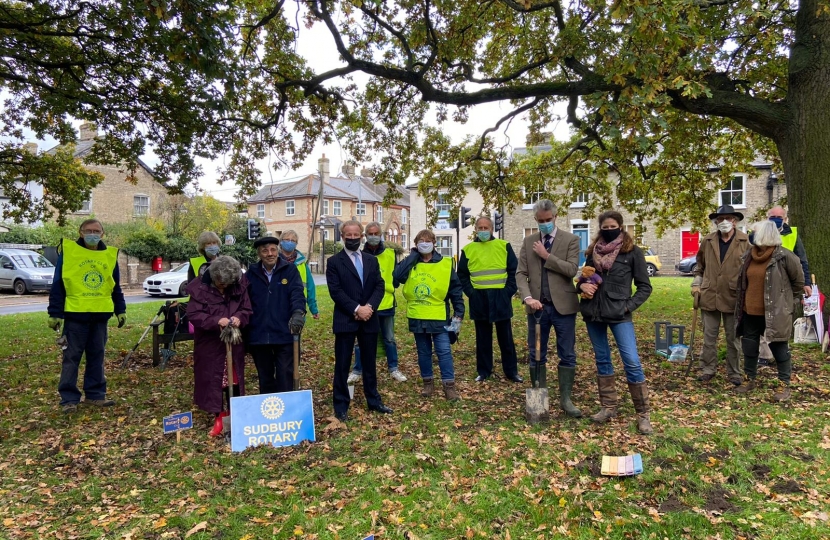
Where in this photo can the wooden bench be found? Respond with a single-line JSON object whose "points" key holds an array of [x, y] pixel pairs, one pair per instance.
{"points": [[160, 339]]}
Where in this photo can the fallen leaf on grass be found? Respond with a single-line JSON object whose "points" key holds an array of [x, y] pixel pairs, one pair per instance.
{"points": [[160, 523], [201, 526]]}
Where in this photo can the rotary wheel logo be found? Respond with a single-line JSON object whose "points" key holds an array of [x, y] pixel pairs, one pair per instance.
{"points": [[272, 408], [93, 279], [422, 291]]}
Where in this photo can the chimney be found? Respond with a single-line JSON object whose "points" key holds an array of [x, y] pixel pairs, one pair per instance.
{"points": [[366, 172], [31, 148], [348, 169], [323, 168], [88, 131]]}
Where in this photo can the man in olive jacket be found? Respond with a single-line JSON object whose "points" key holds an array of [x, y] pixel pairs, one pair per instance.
{"points": [[715, 287]]}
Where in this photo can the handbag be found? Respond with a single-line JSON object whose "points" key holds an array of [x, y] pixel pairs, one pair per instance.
{"points": [[803, 331]]}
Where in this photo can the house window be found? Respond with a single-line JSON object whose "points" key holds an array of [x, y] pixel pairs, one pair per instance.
{"points": [[325, 207], [636, 233], [443, 245], [530, 231], [379, 217], [580, 200], [403, 215], [443, 206], [289, 208], [403, 241], [338, 208], [326, 234], [86, 206], [533, 194], [361, 209], [141, 205], [734, 192], [260, 211]]}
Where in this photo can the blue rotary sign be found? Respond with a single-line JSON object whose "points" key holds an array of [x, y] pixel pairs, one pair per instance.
{"points": [[178, 422], [282, 419]]}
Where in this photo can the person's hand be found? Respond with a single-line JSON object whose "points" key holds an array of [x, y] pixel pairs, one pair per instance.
{"points": [[223, 322], [808, 291], [533, 304], [54, 323], [364, 313], [122, 319], [588, 288], [316, 316], [695, 290], [234, 321], [296, 322], [539, 249], [454, 326]]}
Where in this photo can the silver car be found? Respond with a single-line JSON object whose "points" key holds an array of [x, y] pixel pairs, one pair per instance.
{"points": [[25, 271]]}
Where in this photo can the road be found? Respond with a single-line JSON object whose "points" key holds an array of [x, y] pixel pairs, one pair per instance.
{"points": [[11, 303]]}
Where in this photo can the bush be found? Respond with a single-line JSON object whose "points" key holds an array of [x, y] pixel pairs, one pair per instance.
{"points": [[331, 247], [145, 244], [394, 246], [179, 248]]}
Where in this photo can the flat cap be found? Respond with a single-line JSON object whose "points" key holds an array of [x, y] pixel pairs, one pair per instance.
{"points": [[266, 240]]}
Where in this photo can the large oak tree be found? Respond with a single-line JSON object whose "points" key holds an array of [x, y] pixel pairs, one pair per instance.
{"points": [[657, 93]]}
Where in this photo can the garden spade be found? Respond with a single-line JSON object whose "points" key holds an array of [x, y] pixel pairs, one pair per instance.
{"points": [[537, 404], [296, 362]]}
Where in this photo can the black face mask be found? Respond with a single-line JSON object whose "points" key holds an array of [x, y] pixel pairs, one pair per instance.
{"points": [[609, 235], [352, 244]]}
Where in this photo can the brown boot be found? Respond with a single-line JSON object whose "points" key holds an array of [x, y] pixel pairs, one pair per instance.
{"points": [[783, 393], [639, 395], [429, 388], [450, 392], [746, 387], [607, 399]]}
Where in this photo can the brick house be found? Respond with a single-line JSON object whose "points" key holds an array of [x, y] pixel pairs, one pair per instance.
{"points": [[117, 199], [448, 240], [293, 205]]}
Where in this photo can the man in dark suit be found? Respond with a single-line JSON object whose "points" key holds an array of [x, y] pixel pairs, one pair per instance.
{"points": [[357, 288]]}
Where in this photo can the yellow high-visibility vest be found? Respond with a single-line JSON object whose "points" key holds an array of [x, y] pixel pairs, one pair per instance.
{"points": [[87, 277], [301, 268], [196, 263], [387, 265], [487, 262], [788, 241], [426, 288]]}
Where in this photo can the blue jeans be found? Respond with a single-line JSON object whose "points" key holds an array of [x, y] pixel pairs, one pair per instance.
{"points": [[387, 334], [565, 328], [626, 343], [83, 338], [424, 343]]}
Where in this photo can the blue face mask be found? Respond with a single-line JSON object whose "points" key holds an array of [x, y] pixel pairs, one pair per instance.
{"points": [[288, 246], [546, 228], [213, 251], [483, 235], [779, 221], [92, 239]]}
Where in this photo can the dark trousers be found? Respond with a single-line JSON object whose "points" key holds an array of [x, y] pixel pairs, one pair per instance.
{"points": [[565, 328], [753, 327], [343, 347], [83, 338], [484, 348], [275, 367]]}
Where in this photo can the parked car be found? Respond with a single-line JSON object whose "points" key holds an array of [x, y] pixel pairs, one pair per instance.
{"points": [[172, 283], [652, 262], [687, 265], [25, 271]]}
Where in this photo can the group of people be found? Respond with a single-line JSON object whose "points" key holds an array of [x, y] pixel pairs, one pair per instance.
{"points": [[748, 284]]}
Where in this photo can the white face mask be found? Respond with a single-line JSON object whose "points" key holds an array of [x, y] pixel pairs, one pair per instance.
{"points": [[725, 227], [425, 247]]}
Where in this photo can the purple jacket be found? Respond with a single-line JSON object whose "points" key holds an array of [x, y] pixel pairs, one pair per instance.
{"points": [[207, 305]]}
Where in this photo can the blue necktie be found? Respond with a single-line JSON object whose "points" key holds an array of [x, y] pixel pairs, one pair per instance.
{"points": [[359, 265], [548, 242]]}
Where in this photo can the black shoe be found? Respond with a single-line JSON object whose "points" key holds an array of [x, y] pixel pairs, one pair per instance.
{"points": [[343, 417], [383, 409], [481, 378], [706, 377], [516, 378]]}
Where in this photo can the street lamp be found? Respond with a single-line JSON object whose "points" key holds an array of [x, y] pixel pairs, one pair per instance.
{"points": [[322, 244]]}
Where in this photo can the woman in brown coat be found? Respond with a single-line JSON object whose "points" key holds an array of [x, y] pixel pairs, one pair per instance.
{"points": [[217, 299], [771, 280]]}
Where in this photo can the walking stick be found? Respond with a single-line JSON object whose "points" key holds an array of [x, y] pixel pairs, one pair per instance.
{"points": [[296, 362], [231, 336], [695, 307]]}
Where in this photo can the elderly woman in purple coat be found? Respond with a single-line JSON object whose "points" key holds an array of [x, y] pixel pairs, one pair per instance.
{"points": [[217, 299]]}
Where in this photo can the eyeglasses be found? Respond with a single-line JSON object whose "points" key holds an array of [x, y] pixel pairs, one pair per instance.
{"points": [[87, 231]]}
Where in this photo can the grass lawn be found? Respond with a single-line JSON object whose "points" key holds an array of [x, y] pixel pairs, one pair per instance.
{"points": [[717, 466]]}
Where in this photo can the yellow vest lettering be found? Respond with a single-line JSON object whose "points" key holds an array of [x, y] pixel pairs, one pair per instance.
{"points": [[487, 262], [788, 241], [387, 266], [87, 277], [426, 289]]}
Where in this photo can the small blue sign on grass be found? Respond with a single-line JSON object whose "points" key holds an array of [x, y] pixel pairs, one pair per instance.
{"points": [[178, 422], [282, 419]]}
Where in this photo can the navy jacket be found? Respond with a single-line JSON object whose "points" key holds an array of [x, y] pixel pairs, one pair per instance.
{"points": [[348, 293], [57, 295], [491, 305], [273, 303]]}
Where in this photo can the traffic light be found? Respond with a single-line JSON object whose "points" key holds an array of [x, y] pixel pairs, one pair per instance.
{"points": [[453, 224], [253, 229], [498, 221], [466, 218]]}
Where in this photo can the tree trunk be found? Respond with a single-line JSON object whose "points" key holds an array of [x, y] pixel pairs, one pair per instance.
{"points": [[804, 145]]}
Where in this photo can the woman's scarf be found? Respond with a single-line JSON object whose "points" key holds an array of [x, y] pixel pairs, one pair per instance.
{"points": [[289, 257], [606, 253], [761, 254]]}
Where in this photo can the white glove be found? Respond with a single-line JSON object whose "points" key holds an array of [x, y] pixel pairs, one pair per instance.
{"points": [[454, 326]]}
